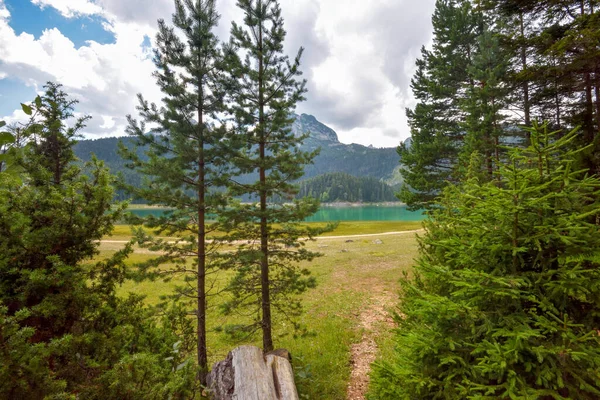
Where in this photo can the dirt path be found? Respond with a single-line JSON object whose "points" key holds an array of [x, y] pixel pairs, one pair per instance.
{"points": [[317, 238], [373, 318], [368, 235]]}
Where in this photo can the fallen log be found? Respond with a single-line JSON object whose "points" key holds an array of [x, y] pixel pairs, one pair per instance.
{"points": [[248, 374]]}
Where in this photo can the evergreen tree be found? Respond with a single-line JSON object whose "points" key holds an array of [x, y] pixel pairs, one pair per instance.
{"points": [[561, 38], [505, 301], [484, 101], [339, 186], [439, 85], [63, 330], [184, 162], [267, 92], [513, 33]]}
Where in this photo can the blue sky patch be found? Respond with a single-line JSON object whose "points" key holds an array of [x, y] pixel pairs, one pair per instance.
{"points": [[146, 43], [12, 93], [30, 18]]}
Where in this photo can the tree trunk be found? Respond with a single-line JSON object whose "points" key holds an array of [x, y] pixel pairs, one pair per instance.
{"points": [[264, 238], [247, 374], [597, 94], [526, 102], [588, 121], [201, 285]]}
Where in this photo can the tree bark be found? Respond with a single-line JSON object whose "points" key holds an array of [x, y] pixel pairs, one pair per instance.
{"points": [[526, 102], [201, 285], [264, 237], [248, 374]]}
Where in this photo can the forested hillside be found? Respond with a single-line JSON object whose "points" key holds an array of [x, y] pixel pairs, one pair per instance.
{"points": [[338, 186], [352, 159]]}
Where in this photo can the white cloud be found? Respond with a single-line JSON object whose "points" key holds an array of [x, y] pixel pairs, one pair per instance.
{"points": [[109, 122], [105, 78], [17, 117], [359, 58], [361, 88], [70, 8], [4, 13]]}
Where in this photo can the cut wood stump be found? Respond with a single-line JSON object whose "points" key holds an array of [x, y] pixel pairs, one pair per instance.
{"points": [[248, 374]]}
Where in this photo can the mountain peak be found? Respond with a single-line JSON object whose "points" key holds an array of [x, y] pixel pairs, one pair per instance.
{"points": [[306, 123]]}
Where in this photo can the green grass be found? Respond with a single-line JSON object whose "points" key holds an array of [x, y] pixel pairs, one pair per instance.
{"points": [[123, 232], [348, 274]]}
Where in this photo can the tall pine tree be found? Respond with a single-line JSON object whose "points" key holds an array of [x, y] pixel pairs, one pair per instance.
{"points": [[267, 92], [562, 39], [439, 85], [185, 162], [483, 104]]}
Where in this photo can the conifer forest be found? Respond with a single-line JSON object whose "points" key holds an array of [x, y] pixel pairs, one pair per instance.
{"points": [[493, 294]]}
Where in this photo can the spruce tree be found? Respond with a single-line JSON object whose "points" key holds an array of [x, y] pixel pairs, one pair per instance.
{"points": [[184, 164], [483, 104], [439, 85], [505, 300], [267, 92]]}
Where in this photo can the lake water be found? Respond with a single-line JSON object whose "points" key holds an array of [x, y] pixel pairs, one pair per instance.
{"points": [[349, 213], [366, 213]]}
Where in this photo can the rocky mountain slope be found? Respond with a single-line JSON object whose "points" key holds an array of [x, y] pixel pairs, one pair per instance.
{"points": [[353, 159]]}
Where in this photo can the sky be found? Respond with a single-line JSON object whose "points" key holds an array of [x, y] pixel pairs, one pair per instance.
{"points": [[359, 58]]}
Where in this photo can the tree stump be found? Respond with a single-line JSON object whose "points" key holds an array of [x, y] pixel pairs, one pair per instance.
{"points": [[248, 374]]}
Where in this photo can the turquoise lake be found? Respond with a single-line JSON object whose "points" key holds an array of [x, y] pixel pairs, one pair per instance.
{"points": [[348, 213]]}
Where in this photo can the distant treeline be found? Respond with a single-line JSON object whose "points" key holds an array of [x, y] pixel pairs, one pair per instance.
{"points": [[339, 186], [360, 180]]}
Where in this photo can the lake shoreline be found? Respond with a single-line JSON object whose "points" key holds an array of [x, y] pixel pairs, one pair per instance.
{"points": [[339, 211], [341, 204], [337, 204]]}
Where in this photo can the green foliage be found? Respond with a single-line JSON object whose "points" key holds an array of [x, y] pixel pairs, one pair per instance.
{"points": [[483, 103], [63, 330], [267, 91], [538, 60], [505, 301], [185, 155], [6, 140], [560, 68], [339, 186], [439, 85], [12, 140]]}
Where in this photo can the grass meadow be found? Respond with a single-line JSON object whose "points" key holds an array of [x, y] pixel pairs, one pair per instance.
{"points": [[352, 275]]}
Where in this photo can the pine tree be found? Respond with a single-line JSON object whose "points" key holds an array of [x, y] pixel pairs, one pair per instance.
{"points": [[268, 89], [561, 38], [505, 301], [439, 86], [63, 329], [185, 162], [483, 103], [513, 31]]}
